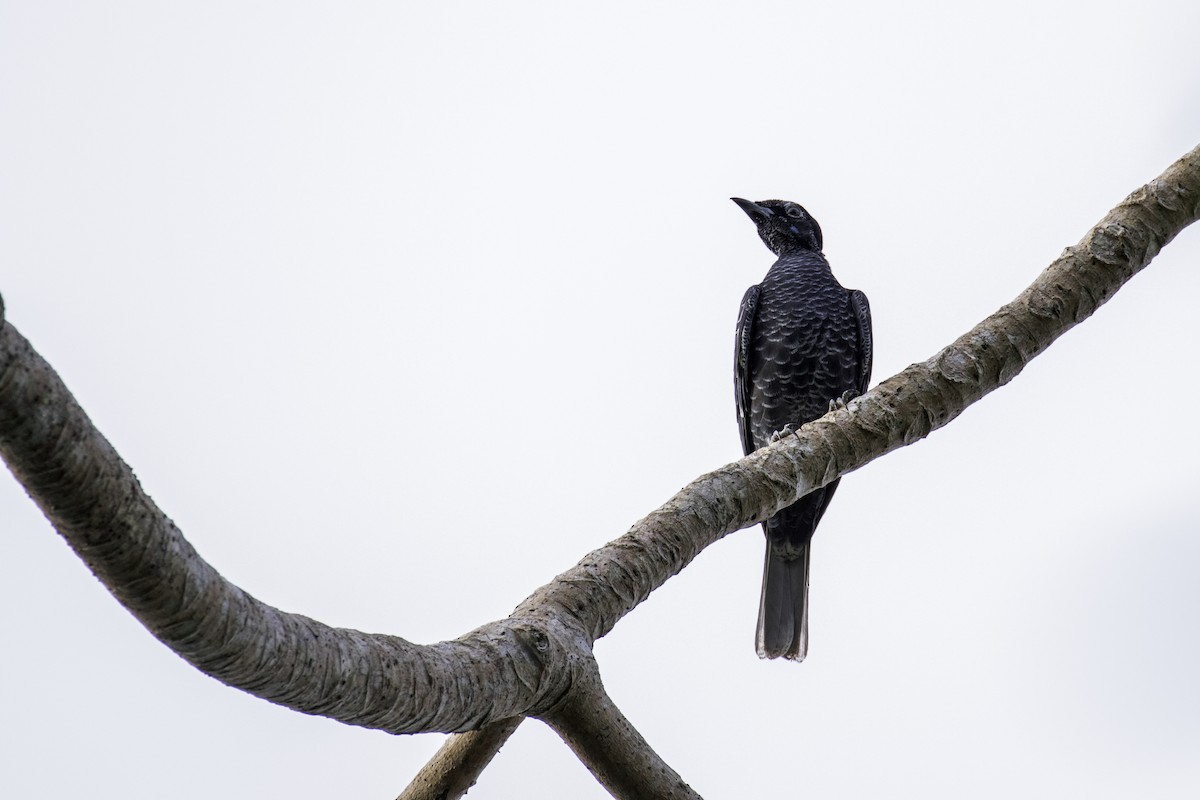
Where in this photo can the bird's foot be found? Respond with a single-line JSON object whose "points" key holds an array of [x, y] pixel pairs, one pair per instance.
{"points": [[838, 403], [786, 430]]}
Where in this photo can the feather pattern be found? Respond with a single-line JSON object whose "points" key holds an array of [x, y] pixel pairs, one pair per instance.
{"points": [[802, 341]]}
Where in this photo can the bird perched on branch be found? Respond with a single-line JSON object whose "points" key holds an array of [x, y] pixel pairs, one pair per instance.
{"points": [[803, 345]]}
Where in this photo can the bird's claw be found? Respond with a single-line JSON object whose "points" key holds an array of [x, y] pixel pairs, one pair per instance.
{"points": [[786, 430], [838, 403]]}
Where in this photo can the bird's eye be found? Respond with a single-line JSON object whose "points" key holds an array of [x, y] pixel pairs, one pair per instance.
{"points": [[794, 212]]}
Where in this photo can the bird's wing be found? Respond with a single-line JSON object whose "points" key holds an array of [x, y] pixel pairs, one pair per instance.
{"points": [[741, 365], [862, 313]]}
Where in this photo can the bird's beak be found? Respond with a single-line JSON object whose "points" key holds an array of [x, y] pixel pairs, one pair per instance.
{"points": [[754, 210]]}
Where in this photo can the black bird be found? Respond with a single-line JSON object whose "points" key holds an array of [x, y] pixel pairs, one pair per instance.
{"points": [[803, 344]]}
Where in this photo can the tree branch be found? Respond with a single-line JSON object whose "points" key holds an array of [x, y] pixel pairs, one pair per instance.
{"points": [[95, 502], [611, 581], [538, 662], [611, 748], [456, 766]]}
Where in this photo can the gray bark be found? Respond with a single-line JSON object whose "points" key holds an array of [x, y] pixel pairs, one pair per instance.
{"points": [[456, 766], [608, 745], [538, 662]]}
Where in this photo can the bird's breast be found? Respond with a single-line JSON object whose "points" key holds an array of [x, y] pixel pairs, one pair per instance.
{"points": [[804, 351]]}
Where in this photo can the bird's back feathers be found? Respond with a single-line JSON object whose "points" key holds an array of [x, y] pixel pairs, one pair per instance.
{"points": [[802, 340]]}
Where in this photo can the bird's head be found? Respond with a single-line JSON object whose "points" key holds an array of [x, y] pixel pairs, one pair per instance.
{"points": [[784, 227]]}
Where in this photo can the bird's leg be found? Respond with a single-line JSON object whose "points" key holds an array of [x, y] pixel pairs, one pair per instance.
{"points": [[838, 403], [786, 430]]}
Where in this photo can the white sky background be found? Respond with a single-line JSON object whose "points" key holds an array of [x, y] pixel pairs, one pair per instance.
{"points": [[400, 309]]}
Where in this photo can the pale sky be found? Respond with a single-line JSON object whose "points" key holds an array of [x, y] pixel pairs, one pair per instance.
{"points": [[400, 309]]}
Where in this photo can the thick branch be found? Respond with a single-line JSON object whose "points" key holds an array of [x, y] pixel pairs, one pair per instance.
{"points": [[95, 502], [527, 664], [611, 581], [456, 766], [611, 748]]}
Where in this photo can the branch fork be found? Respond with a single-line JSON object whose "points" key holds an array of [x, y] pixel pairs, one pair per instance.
{"points": [[539, 661]]}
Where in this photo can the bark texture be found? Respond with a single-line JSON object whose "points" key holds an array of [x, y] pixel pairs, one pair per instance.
{"points": [[538, 662], [611, 581], [95, 502], [611, 748], [456, 766]]}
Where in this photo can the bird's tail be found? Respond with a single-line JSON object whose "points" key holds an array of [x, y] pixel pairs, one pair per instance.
{"points": [[783, 608]]}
